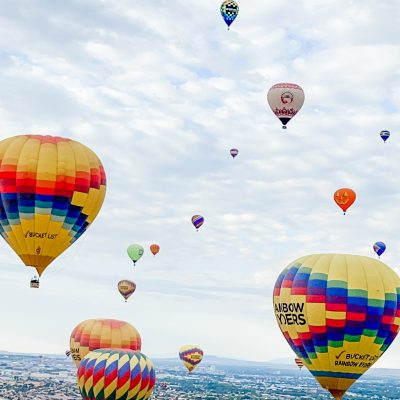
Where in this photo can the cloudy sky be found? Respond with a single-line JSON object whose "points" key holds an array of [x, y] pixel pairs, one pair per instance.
{"points": [[161, 91]]}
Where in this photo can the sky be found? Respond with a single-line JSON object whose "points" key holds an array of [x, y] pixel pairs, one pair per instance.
{"points": [[161, 91]]}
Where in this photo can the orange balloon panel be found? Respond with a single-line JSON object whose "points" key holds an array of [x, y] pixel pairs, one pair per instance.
{"points": [[95, 334], [344, 198], [52, 189]]}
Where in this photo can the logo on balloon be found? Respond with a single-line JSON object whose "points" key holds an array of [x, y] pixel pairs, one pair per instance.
{"points": [[287, 97]]}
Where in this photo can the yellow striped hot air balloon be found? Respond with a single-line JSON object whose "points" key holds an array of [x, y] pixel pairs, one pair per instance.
{"points": [[52, 189], [126, 288], [339, 313], [191, 356], [94, 334], [116, 374]]}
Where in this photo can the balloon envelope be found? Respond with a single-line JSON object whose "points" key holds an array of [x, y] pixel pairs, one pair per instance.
{"points": [[339, 313], [234, 152], [229, 11], [154, 248], [116, 374], [94, 334], [135, 251], [299, 362], [190, 356], [379, 248], [344, 198], [285, 100], [197, 221], [385, 135], [52, 189], [126, 288]]}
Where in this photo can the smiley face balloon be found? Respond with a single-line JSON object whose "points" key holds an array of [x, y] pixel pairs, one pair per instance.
{"points": [[339, 313], [344, 198]]}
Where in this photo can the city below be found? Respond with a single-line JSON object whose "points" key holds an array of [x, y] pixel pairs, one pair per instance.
{"points": [[42, 377]]}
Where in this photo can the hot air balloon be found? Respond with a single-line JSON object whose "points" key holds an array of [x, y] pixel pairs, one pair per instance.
{"points": [[154, 248], [379, 248], [116, 374], [299, 362], [344, 198], [385, 135], [229, 11], [339, 313], [234, 152], [94, 334], [190, 356], [52, 189], [197, 221], [135, 251], [285, 100], [126, 288]]}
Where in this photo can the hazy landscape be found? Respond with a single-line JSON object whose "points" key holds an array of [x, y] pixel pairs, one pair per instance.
{"points": [[28, 376]]}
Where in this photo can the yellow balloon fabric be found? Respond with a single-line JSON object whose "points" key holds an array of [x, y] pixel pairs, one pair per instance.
{"points": [[339, 313], [94, 334], [190, 356], [51, 189]]}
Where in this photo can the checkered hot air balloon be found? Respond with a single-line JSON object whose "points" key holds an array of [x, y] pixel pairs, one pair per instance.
{"points": [[191, 356], [52, 189], [197, 221], [229, 11], [339, 313], [94, 334], [116, 374]]}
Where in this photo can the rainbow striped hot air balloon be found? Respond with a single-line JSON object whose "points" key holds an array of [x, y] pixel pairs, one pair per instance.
{"points": [[339, 313], [190, 356], [52, 189], [94, 334], [116, 374], [197, 221]]}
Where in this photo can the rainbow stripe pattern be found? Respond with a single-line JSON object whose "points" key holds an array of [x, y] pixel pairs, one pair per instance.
{"points": [[116, 374], [51, 190], [94, 334], [339, 313]]}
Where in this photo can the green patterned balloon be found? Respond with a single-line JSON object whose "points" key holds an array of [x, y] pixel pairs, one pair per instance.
{"points": [[135, 251]]}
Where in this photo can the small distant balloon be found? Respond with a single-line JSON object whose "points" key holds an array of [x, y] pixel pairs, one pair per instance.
{"points": [[190, 356], [234, 152], [285, 100], [135, 251], [379, 248], [229, 11], [197, 221], [344, 198], [299, 362], [385, 135], [126, 288], [154, 248]]}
